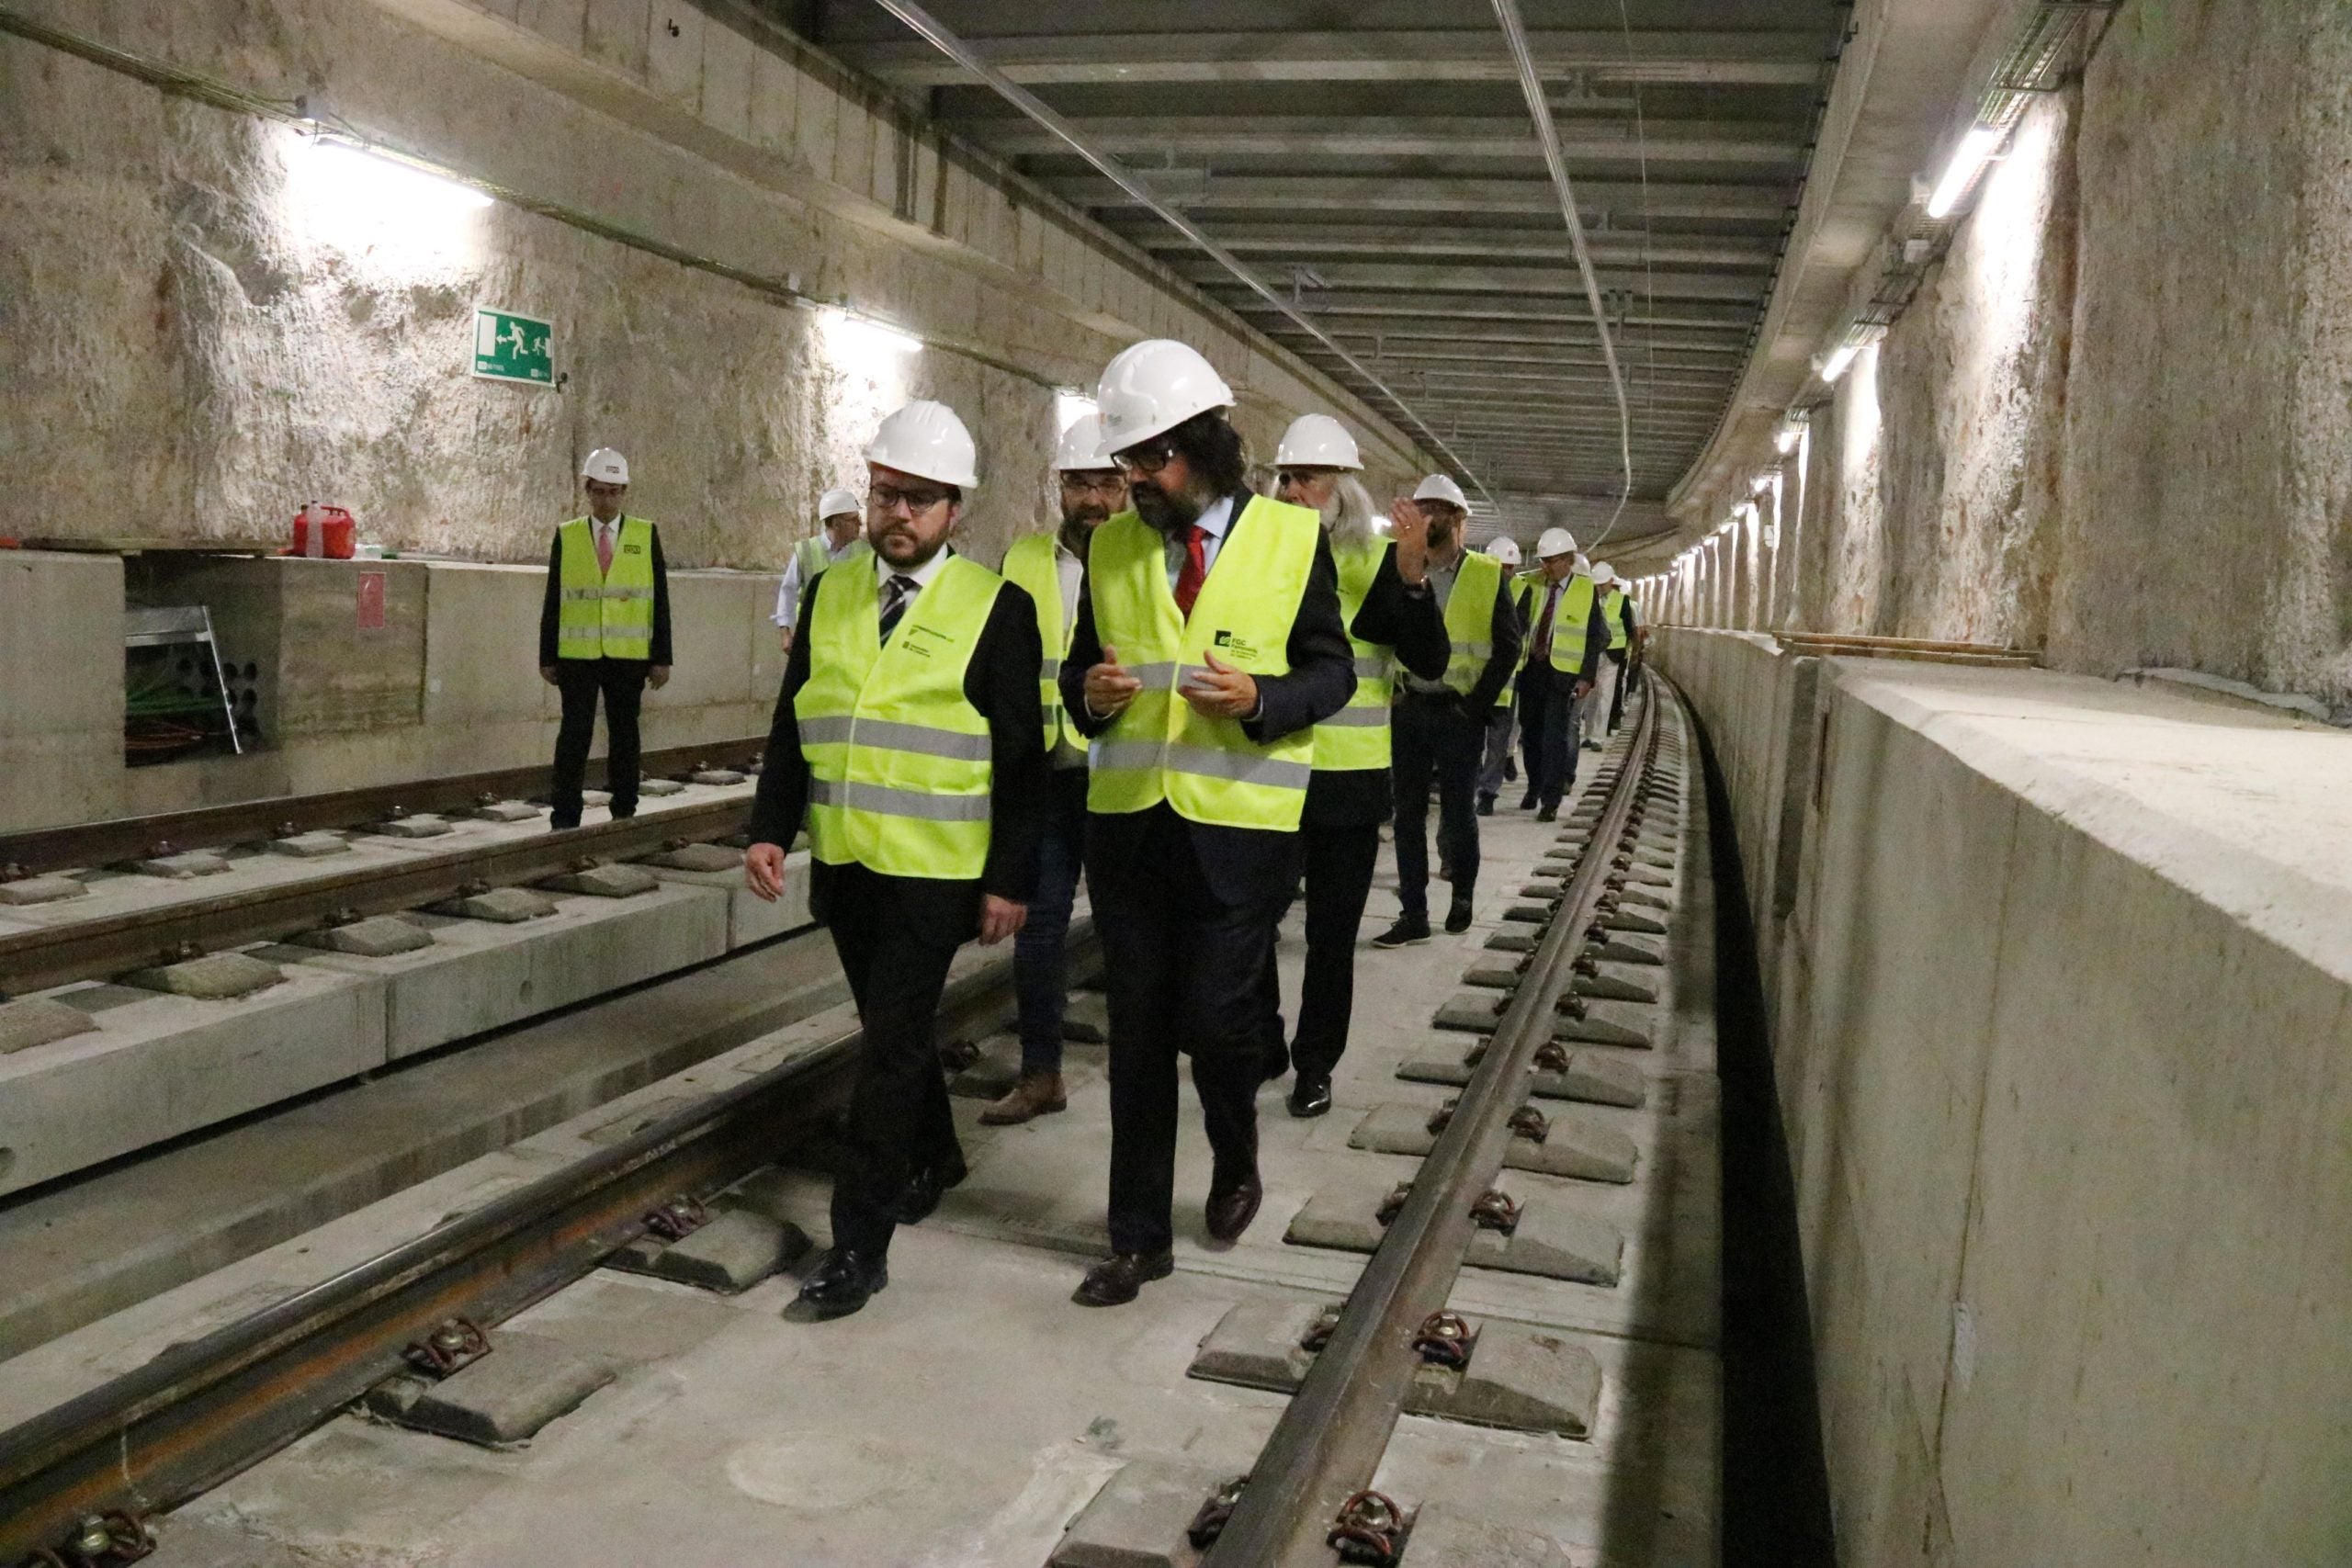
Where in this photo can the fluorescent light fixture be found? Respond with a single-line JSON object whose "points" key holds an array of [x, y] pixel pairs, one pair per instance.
{"points": [[852, 334], [1785, 441], [1763, 482], [1839, 357], [388, 184], [1974, 148]]}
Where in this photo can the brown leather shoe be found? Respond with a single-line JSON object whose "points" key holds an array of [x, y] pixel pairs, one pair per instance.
{"points": [[1115, 1280], [1231, 1209], [1037, 1094]]}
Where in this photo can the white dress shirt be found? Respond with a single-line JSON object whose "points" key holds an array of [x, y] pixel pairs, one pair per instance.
{"points": [[787, 592], [1214, 522]]}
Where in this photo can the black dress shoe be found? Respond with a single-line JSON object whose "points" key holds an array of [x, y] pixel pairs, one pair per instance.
{"points": [[923, 1190], [1230, 1209], [1407, 931], [843, 1283], [1486, 806], [1549, 813], [1311, 1095], [1457, 916], [1115, 1280], [1527, 801]]}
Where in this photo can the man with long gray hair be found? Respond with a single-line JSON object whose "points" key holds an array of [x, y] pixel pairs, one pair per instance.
{"points": [[1392, 617]]}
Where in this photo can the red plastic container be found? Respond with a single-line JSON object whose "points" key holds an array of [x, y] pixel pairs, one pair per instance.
{"points": [[324, 533]]}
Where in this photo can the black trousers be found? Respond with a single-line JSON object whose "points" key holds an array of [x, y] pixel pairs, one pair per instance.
{"points": [[1182, 969], [621, 681], [1340, 862], [1547, 713], [895, 944], [1429, 738]]}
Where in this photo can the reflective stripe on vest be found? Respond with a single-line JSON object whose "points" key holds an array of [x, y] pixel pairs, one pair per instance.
{"points": [[1470, 619], [602, 615], [1356, 736], [1613, 609], [1570, 618], [1160, 747], [900, 763], [814, 554], [1033, 565]]}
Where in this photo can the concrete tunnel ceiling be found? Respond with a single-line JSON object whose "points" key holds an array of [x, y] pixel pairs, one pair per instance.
{"points": [[1377, 163]]}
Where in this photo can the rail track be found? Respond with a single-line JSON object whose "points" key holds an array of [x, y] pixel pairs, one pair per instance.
{"points": [[80, 949], [206, 1410], [203, 1411]]}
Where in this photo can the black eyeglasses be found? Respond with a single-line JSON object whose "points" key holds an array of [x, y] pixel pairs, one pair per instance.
{"points": [[1148, 458], [1094, 483], [882, 499]]}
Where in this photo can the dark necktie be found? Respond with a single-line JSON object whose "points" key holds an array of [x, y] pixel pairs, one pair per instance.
{"points": [[1542, 649], [901, 590], [1195, 568]]}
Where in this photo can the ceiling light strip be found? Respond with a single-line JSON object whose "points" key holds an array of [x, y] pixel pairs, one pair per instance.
{"points": [[948, 43], [1531, 85]]}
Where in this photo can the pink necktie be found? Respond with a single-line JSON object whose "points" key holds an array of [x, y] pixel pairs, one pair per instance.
{"points": [[605, 550]]}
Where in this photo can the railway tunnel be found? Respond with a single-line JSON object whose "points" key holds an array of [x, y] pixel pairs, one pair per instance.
{"points": [[1889, 1108]]}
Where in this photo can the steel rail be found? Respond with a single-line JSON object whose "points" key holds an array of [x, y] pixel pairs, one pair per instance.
{"points": [[244, 821], [202, 1411], [1331, 1437], [84, 949]]}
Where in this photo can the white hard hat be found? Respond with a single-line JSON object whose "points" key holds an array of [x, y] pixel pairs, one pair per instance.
{"points": [[1318, 441], [607, 466], [1604, 572], [1504, 550], [1584, 565], [836, 502], [1554, 542], [927, 440], [1081, 450], [1154, 386], [1439, 487]]}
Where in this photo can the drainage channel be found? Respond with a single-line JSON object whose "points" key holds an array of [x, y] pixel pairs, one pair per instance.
{"points": [[78, 1481]]}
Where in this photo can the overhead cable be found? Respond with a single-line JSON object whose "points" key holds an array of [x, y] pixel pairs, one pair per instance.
{"points": [[1531, 85], [935, 33]]}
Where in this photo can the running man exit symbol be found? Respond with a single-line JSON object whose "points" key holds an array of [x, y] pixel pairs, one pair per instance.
{"points": [[509, 347]]}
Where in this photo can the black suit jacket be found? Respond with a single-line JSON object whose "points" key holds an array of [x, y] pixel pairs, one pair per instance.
{"points": [[1241, 864], [1406, 619], [1001, 681]]}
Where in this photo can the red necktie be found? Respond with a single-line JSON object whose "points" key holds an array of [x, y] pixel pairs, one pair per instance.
{"points": [[605, 550], [1194, 569]]}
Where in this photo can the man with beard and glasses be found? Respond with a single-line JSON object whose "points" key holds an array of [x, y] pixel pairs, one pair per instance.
{"points": [[1392, 618], [1209, 644], [1050, 567], [1440, 726], [908, 732]]}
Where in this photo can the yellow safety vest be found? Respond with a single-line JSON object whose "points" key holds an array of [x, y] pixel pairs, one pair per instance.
{"points": [[1570, 617], [1470, 619], [900, 763], [1613, 609], [1161, 748], [604, 614], [1525, 588], [1034, 565], [1356, 736]]}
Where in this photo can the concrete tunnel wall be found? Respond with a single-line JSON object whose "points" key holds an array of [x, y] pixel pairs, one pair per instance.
{"points": [[248, 337], [2060, 978], [2114, 426]]}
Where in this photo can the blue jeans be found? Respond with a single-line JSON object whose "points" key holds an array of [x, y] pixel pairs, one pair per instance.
{"points": [[1039, 973]]}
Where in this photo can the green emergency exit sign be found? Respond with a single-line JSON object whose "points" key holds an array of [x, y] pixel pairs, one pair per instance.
{"points": [[508, 347]]}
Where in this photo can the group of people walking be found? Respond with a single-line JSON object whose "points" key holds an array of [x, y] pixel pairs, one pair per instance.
{"points": [[1205, 699]]}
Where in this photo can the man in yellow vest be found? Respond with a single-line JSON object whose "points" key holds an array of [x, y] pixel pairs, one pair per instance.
{"points": [[841, 529], [1608, 706], [1209, 645], [1050, 567], [604, 631], [1392, 618], [1564, 644], [909, 736], [1440, 726]]}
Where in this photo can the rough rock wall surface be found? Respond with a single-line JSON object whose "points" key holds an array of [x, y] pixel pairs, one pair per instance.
{"points": [[219, 329], [2207, 404]]}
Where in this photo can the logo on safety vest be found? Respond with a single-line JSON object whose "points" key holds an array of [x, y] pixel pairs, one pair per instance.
{"points": [[1240, 647]]}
